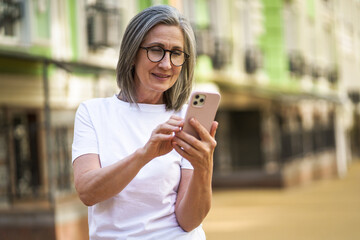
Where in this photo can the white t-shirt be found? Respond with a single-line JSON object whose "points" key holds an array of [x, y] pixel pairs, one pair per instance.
{"points": [[145, 208]]}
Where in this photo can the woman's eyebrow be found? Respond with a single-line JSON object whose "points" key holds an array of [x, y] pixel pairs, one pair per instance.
{"points": [[163, 46]]}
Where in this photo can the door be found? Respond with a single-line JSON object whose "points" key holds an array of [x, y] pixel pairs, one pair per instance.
{"points": [[24, 154]]}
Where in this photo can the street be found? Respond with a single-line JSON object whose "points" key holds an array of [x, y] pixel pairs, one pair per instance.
{"points": [[326, 209]]}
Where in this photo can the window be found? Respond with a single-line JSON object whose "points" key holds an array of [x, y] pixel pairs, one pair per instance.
{"points": [[24, 154], [62, 157], [11, 12], [245, 143], [103, 24]]}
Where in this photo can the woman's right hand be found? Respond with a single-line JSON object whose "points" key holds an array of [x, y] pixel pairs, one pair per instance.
{"points": [[160, 140]]}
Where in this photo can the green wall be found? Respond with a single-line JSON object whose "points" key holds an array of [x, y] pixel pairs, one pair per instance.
{"points": [[272, 43]]}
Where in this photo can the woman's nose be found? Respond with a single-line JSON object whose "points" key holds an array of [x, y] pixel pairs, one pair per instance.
{"points": [[165, 62]]}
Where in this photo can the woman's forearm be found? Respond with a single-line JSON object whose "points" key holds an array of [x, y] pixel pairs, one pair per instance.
{"points": [[195, 203], [95, 184]]}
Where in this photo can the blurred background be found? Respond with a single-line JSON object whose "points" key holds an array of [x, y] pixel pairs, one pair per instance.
{"points": [[288, 72]]}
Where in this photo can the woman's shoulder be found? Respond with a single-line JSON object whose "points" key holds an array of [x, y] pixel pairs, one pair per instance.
{"points": [[97, 101], [95, 105]]}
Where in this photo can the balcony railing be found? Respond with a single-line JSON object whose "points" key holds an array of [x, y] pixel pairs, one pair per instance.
{"points": [[22, 165]]}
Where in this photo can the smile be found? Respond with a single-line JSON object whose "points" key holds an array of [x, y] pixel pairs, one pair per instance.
{"points": [[159, 75]]}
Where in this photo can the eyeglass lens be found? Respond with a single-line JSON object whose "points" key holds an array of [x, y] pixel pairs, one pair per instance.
{"points": [[156, 54]]}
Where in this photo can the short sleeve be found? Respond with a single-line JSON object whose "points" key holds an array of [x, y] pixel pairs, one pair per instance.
{"points": [[185, 164], [85, 138]]}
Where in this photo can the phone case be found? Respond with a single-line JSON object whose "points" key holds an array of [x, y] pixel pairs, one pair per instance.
{"points": [[203, 107]]}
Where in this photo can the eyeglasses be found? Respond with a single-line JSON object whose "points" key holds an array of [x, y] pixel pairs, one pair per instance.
{"points": [[156, 54]]}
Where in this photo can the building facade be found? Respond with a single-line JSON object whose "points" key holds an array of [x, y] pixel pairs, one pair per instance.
{"points": [[288, 72], [53, 55], [289, 112]]}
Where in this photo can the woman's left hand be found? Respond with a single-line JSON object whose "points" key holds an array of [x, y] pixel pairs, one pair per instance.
{"points": [[199, 152]]}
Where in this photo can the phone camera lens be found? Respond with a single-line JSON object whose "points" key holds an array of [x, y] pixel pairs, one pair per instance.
{"points": [[201, 100], [197, 96], [195, 102]]}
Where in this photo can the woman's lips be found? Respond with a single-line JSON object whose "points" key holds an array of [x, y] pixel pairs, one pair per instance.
{"points": [[160, 75]]}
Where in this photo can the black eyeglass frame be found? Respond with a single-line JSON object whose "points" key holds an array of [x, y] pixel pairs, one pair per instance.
{"points": [[166, 50]]}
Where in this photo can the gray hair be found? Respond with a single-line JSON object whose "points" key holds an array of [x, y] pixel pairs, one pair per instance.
{"points": [[139, 26]]}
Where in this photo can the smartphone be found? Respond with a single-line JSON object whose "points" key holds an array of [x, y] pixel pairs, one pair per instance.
{"points": [[203, 107]]}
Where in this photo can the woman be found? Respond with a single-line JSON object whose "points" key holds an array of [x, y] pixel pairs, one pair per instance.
{"points": [[140, 175]]}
